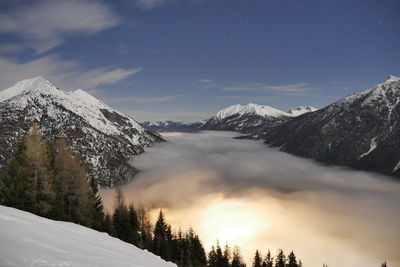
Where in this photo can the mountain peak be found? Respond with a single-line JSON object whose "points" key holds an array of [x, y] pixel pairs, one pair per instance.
{"points": [[37, 83], [34, 83], [250, 108], [392, 78]]}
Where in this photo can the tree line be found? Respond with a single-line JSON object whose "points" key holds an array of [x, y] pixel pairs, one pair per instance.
{"points": [[50, 180], [183, 248]]}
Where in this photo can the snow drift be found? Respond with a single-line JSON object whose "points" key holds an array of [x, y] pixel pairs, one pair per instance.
{"points": [[30, 240]]}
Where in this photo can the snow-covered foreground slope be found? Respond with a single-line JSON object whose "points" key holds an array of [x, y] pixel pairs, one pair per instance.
{"points": [[30, 240]]}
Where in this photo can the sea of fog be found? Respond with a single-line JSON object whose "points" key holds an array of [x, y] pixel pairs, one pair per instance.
{"points": [[248, 194]]}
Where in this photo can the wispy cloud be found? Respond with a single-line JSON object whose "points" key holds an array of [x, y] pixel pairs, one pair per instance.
{"points": [[205, 83], [259, 87], [148, 4], [157, 99], [45, 24], [65, 74]]}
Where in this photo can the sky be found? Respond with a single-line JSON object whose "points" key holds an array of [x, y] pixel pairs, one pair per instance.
{"points": [[330, 215], [186, 59]]}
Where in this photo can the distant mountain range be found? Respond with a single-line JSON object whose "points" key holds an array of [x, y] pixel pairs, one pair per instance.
{"points": [[172, 126], [104, 137], [250, 119]]}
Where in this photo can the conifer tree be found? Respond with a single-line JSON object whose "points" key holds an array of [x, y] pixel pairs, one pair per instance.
{"points": [[121, 222], [15, 187], [98, 209], [73, 185], [107, 224], [237, 260], [133, 220], [179, 249], [197, 254], [384, 264], [38, 171], [227, 253], [292, 261], [280, 260], [216, 257], [26, 184], [257, 262], [145, 229], [162, 237], [269, 260], [212, 257]]}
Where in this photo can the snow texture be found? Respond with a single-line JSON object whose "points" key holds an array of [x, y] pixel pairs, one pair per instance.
{"points": [[30, 240], [78, 102], [361, 130], [252, 109], [105, 138], [300, 110]]}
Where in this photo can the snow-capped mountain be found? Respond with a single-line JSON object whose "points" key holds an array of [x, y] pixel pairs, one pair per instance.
{"points": [[251, 118], [252, 109], [172, 126], [30, 240], [361, 130], [300, 110], [105, 138]]}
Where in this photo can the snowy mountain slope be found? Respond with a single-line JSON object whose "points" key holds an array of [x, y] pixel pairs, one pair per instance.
{"points": [[361, 130], [252, 109], [172, 126], [251, 118], [30, 240], [300, 110], [106, 138]]}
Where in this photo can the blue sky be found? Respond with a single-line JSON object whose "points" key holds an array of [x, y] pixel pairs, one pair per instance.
{"points": [[186, 59]]}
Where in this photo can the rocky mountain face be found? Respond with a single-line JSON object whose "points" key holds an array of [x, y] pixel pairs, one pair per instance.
{"points": [[172, 126], [250, 119], [104, 137], [360, 131], [301, 110]]}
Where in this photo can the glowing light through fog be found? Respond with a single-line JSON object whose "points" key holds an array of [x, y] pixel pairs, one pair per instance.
{"points": [[232, 221], [243, 193]]}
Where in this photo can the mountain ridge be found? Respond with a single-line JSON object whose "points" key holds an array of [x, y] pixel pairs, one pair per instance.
{"points": [[105, 138], [360, 131], [248, 119]]}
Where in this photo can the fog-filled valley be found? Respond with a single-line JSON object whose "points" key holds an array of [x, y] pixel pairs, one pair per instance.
{"points": [[247, 194]]}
